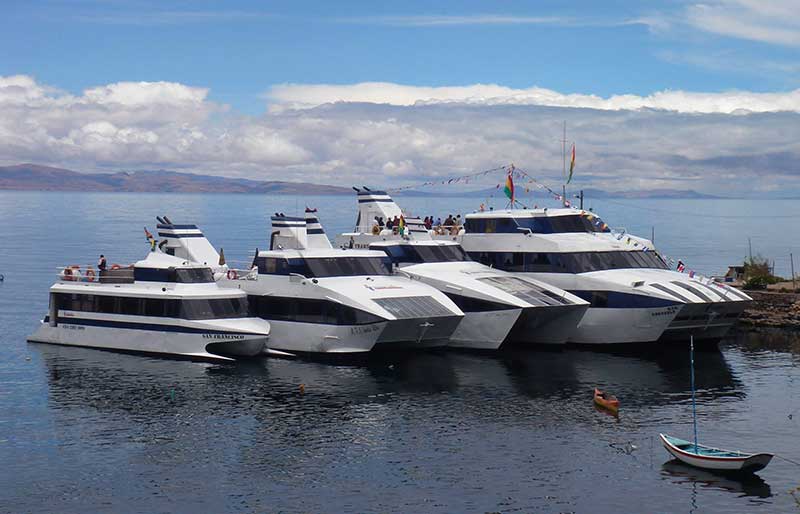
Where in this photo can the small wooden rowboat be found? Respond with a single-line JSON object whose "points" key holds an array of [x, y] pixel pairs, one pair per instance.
{"points": [[606, 400], [715, 459]]}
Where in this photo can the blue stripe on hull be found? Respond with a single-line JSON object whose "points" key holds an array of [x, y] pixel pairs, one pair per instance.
{"points": [[131, 325]]}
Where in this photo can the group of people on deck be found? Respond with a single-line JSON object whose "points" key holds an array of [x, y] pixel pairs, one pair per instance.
{"points": [[450, 226]]}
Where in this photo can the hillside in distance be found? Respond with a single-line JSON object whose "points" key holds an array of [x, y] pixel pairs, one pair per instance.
{"points": [[33, 177]]}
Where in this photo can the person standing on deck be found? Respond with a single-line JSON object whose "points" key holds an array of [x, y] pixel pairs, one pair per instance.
{"points": [[101, 263]]}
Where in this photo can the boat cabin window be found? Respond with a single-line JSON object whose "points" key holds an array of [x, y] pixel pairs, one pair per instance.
{"points": [[577, 262], [537, 225], [339, 266], [406, 253], [348, 266], [194, 309], [174, 275]]}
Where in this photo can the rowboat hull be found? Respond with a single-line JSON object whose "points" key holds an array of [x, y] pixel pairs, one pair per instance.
{"points": [[715, 459], [610, 405]]}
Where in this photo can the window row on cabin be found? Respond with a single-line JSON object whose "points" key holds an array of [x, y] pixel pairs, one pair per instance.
{"points": [[192, 309], [174, 275], [579, 262], [407, 253], [324, 266], [537, 225]]}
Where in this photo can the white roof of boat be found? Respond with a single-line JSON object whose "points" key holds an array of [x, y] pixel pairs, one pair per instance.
{"points": [[160, 260], [320, 253], [528, 213]]}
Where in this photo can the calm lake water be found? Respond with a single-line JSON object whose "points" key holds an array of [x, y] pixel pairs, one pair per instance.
{"points": [[84, 430]]}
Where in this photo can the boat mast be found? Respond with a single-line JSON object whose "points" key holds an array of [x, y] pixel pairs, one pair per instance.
{"points": [[564, 165], [694, 405]]}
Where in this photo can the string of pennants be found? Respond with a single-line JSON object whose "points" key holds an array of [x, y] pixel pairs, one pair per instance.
{"points": [[462, 179], [527, 181]]}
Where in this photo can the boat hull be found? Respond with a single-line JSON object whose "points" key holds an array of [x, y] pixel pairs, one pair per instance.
{"points": [[547, 325], [703, 321], [741, 463], [623, 325], [197, 344], [432, 332], [484, 330], [292, 336]]}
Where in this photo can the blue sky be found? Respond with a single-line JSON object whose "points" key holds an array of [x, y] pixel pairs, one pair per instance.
{"points": [[674, 94], [239, 49]]}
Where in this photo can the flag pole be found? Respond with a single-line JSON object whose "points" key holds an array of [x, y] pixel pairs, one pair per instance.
{"points": [[694, 404]]}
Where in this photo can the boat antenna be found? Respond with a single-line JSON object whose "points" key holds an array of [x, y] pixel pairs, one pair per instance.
{"points": [[564, 165], [694, 404]]}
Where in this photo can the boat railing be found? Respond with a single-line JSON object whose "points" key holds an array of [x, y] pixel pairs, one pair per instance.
{"points": [[116, 274], [241, 273]]}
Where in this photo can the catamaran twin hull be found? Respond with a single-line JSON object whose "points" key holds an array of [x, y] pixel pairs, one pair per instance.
{"points": [[207, 339], [303, 338]]}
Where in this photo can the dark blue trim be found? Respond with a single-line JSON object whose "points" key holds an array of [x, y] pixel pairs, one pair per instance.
{"points": [[617, 300], [180, 236], [286, 218], [145, 326], [312, 220], [368, 200], [314, 231], [364, 193], [176, 227]]}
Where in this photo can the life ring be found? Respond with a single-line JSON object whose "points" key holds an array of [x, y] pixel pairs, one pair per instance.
{"points": [[90, 275], [376, 230], [67, 273], [232, 275], [115, 266]]}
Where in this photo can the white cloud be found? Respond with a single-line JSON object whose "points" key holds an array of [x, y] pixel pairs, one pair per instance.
{"points": [[311, 95], [422, 133], [769, 21]]}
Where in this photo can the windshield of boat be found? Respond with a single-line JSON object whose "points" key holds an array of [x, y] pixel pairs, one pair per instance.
{"points": [[174, 275], [347, 266], [185, 308], [537, 225], [407, 253], [574, 262]]}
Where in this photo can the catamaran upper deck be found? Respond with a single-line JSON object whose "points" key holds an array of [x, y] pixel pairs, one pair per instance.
{"points": [[537, 221]]}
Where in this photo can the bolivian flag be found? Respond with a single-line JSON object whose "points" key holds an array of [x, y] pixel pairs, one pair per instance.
{"points": [[571, 164], [509, 189]]}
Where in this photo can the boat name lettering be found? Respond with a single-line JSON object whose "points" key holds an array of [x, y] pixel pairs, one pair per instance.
{"points": [[223, 336], [363, 329], [73, 327], [667, 311]]}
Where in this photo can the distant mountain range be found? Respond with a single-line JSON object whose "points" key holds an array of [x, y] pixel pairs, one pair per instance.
{"points": [[33, 177], [588, 193]]}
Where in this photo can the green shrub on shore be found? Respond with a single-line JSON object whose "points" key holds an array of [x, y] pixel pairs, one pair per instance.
{"points": [[758, 274]]}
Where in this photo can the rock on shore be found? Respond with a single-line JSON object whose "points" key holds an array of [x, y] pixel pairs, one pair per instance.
{"points": [[773, 309]]}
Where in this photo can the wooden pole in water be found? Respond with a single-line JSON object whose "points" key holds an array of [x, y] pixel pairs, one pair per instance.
{"points": [[694, 404], [791, 260]]}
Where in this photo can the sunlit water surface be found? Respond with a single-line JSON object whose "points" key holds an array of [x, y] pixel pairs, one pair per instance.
{"points": [[84, 430]]}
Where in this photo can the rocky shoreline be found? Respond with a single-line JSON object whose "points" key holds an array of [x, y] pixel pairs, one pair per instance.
{"points": [[772, 309]]}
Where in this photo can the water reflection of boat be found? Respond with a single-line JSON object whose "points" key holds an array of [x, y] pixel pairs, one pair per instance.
{"points": [[745, 485], [643, 378]]}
